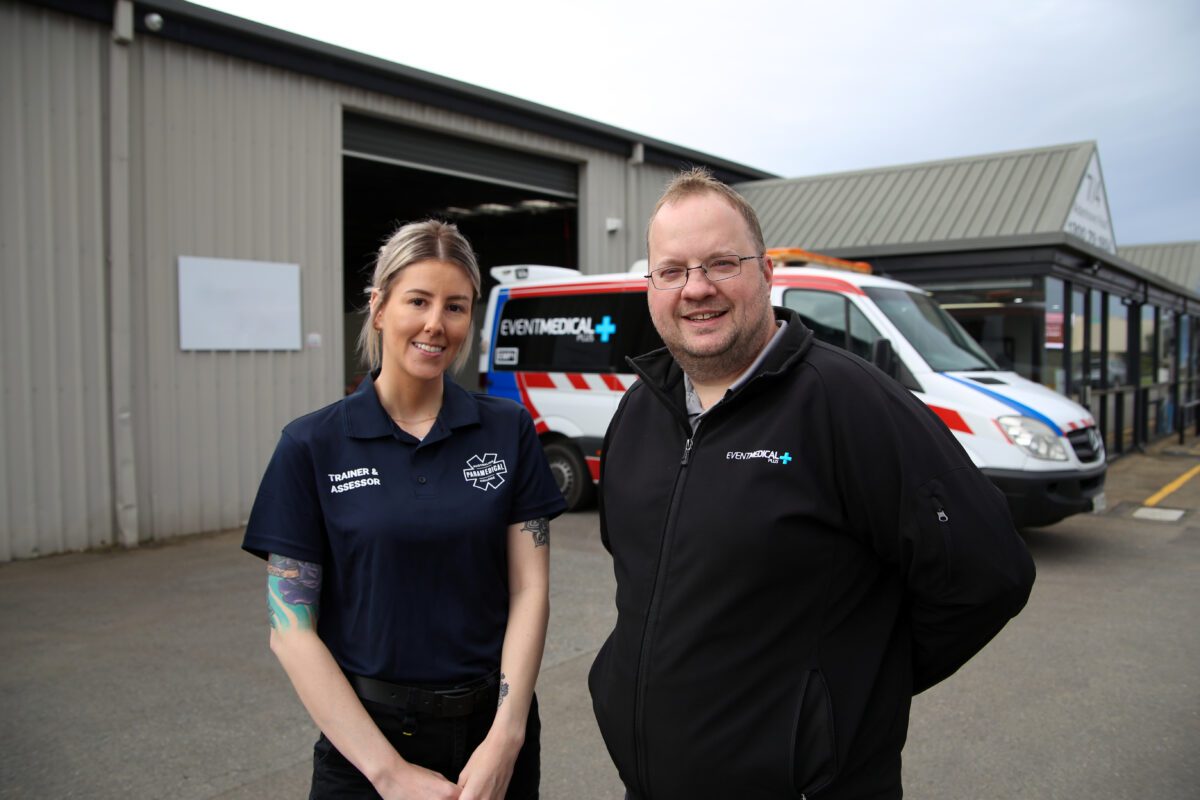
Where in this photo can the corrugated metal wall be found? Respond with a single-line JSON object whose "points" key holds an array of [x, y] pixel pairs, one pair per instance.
{"points": [[647, 182], [55, 451], [229, 159]]}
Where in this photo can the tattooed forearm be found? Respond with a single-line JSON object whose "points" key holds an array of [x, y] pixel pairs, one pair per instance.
{"points": [[540, 528], [503, 690], [293, 593]]}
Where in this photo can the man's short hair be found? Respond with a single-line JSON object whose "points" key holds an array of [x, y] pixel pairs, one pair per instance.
{"points": [[700, 180]]}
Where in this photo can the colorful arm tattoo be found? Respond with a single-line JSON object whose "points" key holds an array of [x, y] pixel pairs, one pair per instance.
{"points": [[293, 593], [540, 528]]}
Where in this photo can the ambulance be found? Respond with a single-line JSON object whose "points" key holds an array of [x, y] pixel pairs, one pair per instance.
{"points": [[556, 342]]}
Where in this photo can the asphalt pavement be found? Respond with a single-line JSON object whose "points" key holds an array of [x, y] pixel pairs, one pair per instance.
{"points": [[146, 673]]}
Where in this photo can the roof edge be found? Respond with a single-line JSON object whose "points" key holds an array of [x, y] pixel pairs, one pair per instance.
{"points": [[206, 28], [1073, 146], [1183, 243], [1052, 239]]}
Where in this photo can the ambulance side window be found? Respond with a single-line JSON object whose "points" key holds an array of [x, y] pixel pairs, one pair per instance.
{"points": [[573, 333], [834, 319]]}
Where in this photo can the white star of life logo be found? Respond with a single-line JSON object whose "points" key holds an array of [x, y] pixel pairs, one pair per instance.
{"points": [[486, 473]]}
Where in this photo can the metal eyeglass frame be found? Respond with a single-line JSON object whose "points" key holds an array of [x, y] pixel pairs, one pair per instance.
{"points": [[687, 271]]}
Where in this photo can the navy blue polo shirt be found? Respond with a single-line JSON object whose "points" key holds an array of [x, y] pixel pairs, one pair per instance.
{"points": [[411, 534]]}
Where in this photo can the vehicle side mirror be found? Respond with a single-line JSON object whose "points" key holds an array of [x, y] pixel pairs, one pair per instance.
{"points": [[884, 357]]}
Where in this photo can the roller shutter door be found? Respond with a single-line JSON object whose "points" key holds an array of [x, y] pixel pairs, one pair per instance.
{"points": [[381, 140]]}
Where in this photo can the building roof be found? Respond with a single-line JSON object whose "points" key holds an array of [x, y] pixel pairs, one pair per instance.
{"points": [[198, 26], [1046, 195], [1178, 262]]}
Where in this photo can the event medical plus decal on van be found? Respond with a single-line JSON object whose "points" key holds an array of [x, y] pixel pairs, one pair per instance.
{"points": [[579, 327]]}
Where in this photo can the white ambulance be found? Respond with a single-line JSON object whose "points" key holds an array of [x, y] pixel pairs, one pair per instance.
{"points": [[556, 341]]}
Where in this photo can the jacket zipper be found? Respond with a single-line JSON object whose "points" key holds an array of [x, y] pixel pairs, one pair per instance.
{"points": [[651, 614]]}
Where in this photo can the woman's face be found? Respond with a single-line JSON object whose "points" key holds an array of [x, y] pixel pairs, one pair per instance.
{"points": [[425, 319]]}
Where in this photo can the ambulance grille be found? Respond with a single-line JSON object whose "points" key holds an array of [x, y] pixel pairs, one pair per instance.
{"points": [[1086, 442]]}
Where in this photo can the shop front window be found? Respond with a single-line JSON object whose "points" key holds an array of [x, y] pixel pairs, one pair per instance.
{"points": [[1162, 407], [1187, 370], [1146, 351], [1078, 333], [1003, 315], [1054, 375], [1095, 336], [1116, 409], [1118, 342]]}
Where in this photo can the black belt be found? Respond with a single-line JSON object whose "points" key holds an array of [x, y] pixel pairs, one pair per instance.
{"points": [[441, 703]]}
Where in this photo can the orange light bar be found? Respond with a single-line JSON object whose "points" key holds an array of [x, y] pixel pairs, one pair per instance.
{"points": [[797, 257]]}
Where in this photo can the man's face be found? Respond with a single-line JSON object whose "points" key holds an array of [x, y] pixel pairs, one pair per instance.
{"points": [[714, 330]]}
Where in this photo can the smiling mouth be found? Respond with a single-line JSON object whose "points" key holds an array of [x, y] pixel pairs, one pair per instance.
{"points": [[703, 316], [433, 349]]}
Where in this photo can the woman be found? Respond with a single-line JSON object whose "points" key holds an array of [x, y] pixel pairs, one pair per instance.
{"points": [[406, 529]]}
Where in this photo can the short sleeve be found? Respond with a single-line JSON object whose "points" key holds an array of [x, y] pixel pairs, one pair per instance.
{"points": [[286, 518], [536, 494]]}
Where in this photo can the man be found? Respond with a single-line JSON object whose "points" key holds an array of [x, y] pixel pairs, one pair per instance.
{"points": [[800, 545]]}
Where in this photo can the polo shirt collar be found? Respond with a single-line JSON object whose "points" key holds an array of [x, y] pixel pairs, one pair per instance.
{"points": [[365, 418]]}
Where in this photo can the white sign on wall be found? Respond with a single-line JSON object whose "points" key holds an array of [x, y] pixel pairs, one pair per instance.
{"points": [[231, 304], [1089, 218]]}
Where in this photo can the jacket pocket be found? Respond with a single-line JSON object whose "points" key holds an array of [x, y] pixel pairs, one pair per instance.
{"points": [[612, 705], [936, 527], [814, 755]]}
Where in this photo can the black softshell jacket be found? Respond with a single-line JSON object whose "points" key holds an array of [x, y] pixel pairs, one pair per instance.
{"points": [[788, 577]]}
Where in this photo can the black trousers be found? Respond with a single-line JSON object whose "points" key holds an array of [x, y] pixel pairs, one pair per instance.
{"points": [[442, 745]]}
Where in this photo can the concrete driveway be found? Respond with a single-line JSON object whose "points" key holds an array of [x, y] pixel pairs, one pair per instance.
{"points": [[146, 673]]}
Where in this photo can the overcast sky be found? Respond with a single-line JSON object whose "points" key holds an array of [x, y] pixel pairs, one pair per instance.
{"points": [[802, 88]]}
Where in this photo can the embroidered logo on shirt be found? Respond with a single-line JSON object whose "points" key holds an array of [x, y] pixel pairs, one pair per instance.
{"points": [[770, 456], [353, 479], [485, 473]]}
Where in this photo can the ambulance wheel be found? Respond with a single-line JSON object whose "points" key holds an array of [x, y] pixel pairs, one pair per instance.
{"points": [[570, 473]]}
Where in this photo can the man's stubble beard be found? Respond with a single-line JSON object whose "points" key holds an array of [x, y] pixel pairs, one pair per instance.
{"points": [[732, 359]]}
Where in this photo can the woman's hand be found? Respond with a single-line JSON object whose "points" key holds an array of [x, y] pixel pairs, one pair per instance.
{"points": [[412, 782], [490, 768]]}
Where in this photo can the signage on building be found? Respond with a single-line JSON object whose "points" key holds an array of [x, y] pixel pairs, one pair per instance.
{"points": [[1054, 330], [1089, 219]]}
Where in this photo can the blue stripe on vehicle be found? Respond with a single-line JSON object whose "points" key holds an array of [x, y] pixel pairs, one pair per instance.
{"points": [[500, 383], [1008, 401]]}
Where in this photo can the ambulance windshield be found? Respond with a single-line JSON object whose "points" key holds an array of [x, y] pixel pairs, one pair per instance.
{"points": [[937, 337]]}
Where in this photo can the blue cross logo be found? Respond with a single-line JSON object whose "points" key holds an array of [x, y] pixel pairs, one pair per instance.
{"points": [[786, 458], [606, 328]]}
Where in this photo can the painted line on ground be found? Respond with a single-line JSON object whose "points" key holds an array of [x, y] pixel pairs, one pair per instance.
{"points": [[1159, 514], [1158, 496]]}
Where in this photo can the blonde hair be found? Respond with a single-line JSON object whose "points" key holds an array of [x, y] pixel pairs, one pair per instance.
{"points": [[429, 240], [700, 180]]}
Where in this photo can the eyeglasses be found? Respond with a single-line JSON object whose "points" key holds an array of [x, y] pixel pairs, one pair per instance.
{"points": [[717, 268]]}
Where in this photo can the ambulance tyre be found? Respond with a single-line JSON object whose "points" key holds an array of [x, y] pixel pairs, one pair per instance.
{"points": [[570, 473]]}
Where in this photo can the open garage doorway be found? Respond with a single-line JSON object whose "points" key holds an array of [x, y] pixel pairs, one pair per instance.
{"points": [[506, 220]]}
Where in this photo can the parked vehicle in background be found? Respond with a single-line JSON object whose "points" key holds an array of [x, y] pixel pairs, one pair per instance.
{"points": [[556, 341]]}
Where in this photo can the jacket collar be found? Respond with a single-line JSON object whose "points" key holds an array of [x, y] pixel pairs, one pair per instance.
{"points": [[661, 372], [364, 417]]}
